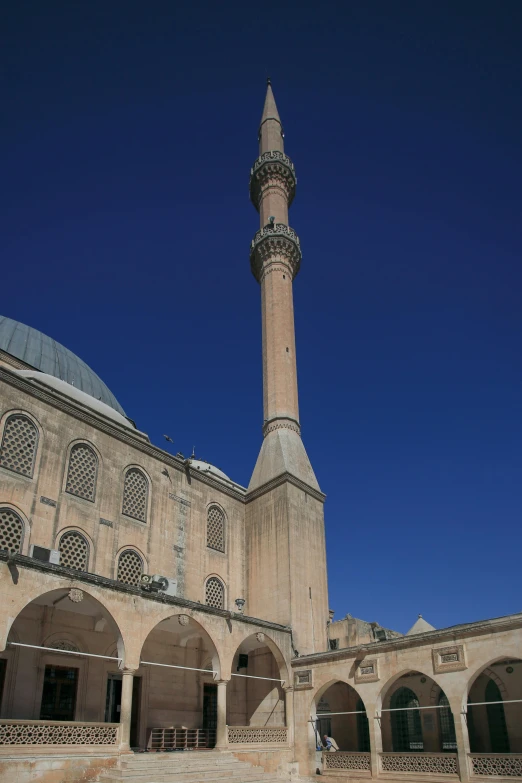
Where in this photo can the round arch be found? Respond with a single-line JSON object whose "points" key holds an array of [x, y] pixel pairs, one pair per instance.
{"points": [[416, 715], [262, 638], [350, 728], [183, 626], [56, 596], [483, 667], [492, 703]]}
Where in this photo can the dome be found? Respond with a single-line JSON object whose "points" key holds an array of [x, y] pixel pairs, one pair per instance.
{"points": [[46, 355], [206, 467]]}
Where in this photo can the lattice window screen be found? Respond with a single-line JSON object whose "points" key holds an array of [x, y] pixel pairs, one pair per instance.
{"points": [[135, 495], [19, 445], [130, 567], [215, 593], [216, 529], [74, 551], [11, 530], [83, 469]]}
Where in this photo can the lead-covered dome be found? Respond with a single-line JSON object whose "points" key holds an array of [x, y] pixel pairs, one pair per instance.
{"points": [[46, 355]]}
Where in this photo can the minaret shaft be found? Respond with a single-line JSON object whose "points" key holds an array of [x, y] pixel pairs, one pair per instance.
{"points": [[275, 257], [279, 362]]}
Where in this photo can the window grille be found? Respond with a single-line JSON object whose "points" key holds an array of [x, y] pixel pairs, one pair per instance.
{"points": [[334, 644], [406, 724], [74, 551], [135, 495], [447, 725], [11, 530], [19, 444], [216, 529], [130, 567], [215, 593], [363, 729], [82, 472]]}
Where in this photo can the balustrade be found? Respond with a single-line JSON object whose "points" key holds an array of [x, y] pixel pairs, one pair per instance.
{"points": [[268, 735], [56, 732], [347, 761], [420, 763], [498, 765]]}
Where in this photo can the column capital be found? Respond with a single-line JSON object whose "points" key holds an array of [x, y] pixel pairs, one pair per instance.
{"points": [[128, 670]]}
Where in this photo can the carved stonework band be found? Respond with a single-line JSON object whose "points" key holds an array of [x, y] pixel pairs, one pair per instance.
{"points": [[275, 243], [272, 169], [281, 423]]}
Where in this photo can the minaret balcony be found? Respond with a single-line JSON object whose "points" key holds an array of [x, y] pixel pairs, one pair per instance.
{"points": [[274, 243], [272, 169]]}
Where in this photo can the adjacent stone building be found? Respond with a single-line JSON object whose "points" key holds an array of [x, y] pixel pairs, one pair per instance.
{"points": [[138, 587]]}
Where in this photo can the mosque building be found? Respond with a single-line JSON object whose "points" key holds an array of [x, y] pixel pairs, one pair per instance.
{"points": [[138, 609]]}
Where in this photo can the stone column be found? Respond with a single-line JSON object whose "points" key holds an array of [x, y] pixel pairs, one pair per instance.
{"points": [[126, 709], [374, 728], [289, 715], [461, 735], [221, 731]]}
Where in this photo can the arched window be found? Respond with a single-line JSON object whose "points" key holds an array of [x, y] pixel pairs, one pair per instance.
{"points": [[498, 734], [216, 529], [406, 722], [215, 593], [82, 472], [363, 730], [135, 495], [447, 725], [74, 551], [19, 445], [130, 567], [11, 530]]}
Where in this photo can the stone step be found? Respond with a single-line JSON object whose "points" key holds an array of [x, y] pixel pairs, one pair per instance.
{"points": [[184, 775], [178, 759], [166, 766], [204, 777]]}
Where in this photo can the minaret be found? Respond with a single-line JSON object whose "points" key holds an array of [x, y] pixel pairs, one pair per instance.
{"points": [[284, 520], [275, 258]]}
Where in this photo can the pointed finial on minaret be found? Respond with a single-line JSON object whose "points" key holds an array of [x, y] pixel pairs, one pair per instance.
{"points": [[271, 129]]}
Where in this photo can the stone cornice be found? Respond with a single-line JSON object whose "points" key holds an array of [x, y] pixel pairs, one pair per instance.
{"points": [[285, 478], [136, 439], [428, 639], [270, 168], [275, 242], [23, 561]]}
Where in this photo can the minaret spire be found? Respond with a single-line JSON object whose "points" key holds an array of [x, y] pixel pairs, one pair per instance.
{"points": [[275, 258], [271, 129]]}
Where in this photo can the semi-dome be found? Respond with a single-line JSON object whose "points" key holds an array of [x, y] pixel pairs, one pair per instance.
{"points": [[46, 355]]}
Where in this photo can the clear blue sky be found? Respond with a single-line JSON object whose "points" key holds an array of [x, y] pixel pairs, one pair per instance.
{"points": [[128, 132]]}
